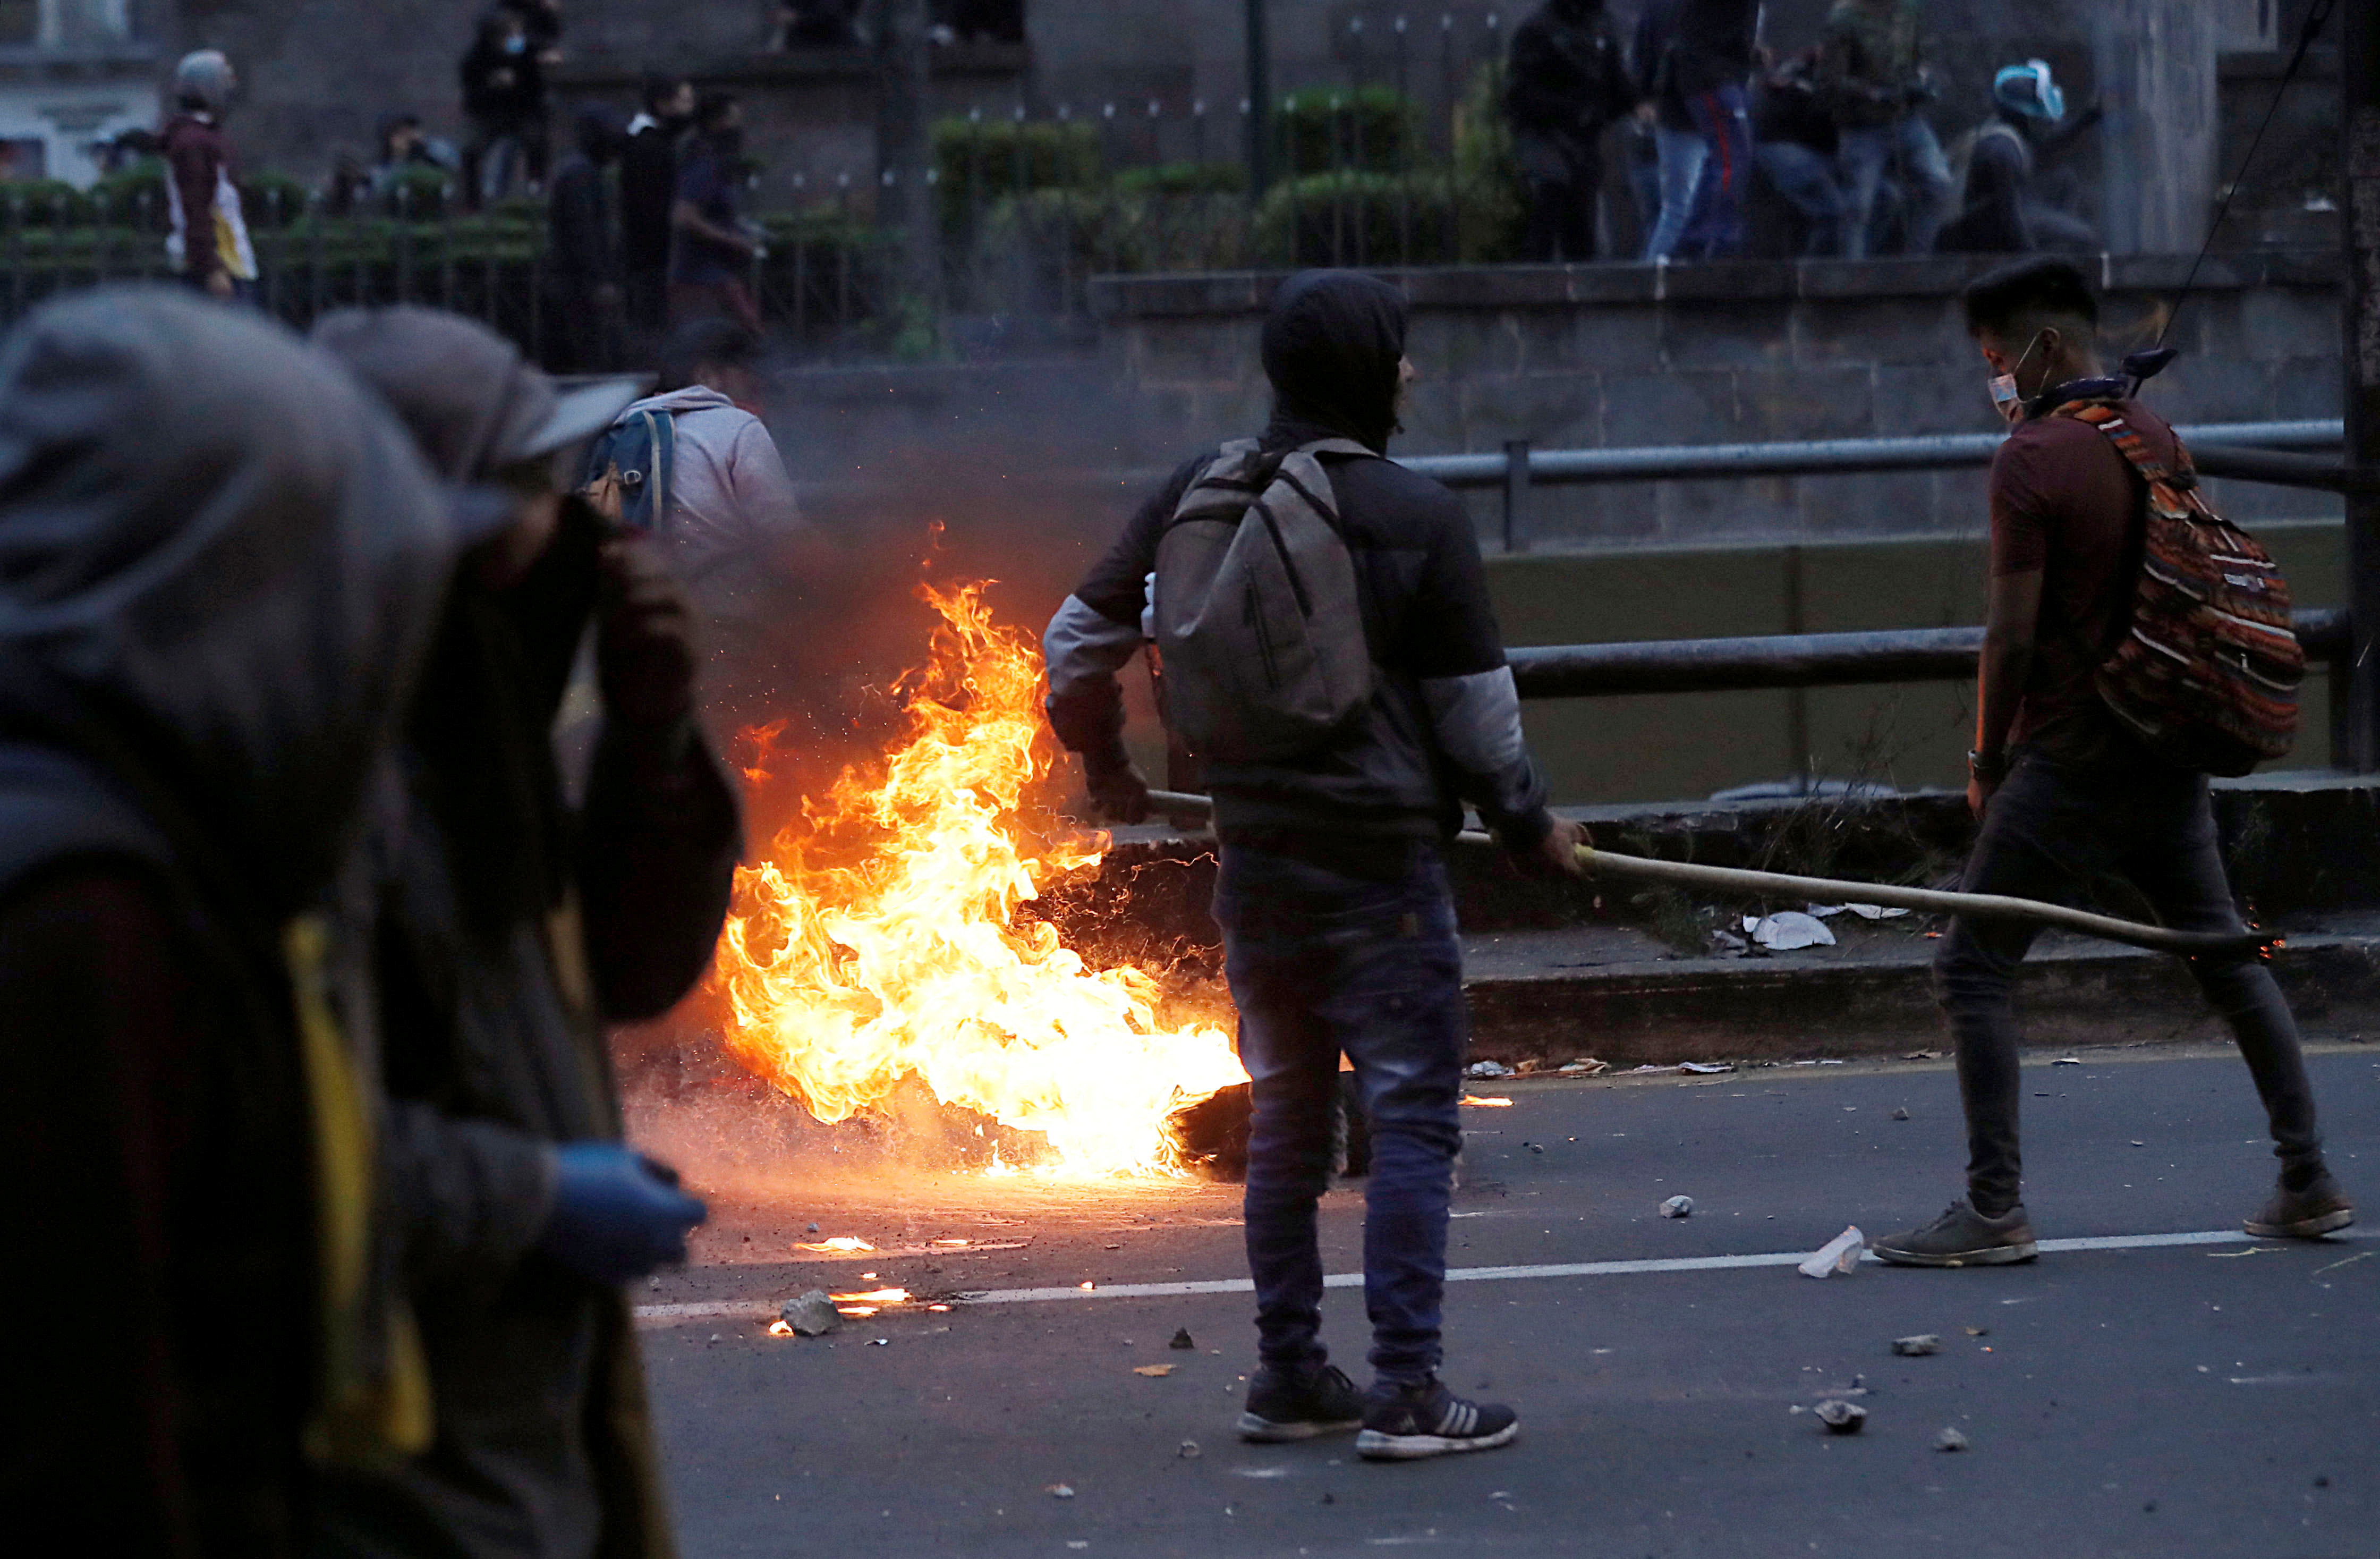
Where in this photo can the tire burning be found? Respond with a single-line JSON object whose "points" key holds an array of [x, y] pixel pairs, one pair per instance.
{"points": [[882, 938]]}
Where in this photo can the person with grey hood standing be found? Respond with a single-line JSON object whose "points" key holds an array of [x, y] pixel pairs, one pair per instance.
{"points": [[1338, 922], [220, 563], [510, 929], [206, 228]]}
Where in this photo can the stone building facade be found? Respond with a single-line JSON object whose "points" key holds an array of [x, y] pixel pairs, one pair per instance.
{"points": [[320, 72]]}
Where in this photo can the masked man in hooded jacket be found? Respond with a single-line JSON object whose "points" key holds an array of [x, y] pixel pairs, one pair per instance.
{"points": [[220, 566], [1338, 923], [508, 929]]}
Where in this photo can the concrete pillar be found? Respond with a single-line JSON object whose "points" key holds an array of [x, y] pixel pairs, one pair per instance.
{"points": [[2360, 60], [2155, 61], [905, 201]]}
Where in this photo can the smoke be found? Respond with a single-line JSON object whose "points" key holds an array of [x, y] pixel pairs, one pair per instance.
{"points": [[941, 475]]}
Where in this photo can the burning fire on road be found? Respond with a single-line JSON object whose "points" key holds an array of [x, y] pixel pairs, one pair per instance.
{"points": [[882, 940]]}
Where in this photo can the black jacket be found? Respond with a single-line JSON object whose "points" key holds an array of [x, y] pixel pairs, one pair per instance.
{"points": [[1569, 75], [648, 192], [1687, 47], [1444, 725], [578, 221]]}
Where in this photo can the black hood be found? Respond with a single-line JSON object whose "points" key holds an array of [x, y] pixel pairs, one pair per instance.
{"points": [[1331, 345]]}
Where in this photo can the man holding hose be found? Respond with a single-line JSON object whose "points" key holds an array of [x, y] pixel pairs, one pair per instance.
{"points": [[2064, 789], [1338, 925]]}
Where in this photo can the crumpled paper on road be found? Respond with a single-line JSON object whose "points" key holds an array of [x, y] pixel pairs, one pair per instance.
{"points": [[1788, 931], [1840, 1254]]}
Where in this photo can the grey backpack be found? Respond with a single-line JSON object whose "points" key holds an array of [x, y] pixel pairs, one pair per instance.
{"points": [[1259, 625]]}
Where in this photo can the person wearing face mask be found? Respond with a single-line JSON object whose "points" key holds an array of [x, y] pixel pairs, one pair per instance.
{"points": [[711, 265], [508, 927], [1338, 922], [504, 99], [2065, 792], [2003, 209]]}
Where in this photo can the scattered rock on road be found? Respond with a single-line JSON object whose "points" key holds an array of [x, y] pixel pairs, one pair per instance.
{"points": [[812, 1315], [1059, 1491], [1918, 1347], [1678, 1207], [1951, 1439], [1901, 1112], [1486, 1070], [1841, 1417], [1181, 1340], [1189, 1452]]}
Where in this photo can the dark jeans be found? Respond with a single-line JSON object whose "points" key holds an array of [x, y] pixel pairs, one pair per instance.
{"points": [[1564, 181], [2051, 830], [1322, 962]]}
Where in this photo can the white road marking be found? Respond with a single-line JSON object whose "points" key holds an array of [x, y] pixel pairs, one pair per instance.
{"points": [[765, 1308]]}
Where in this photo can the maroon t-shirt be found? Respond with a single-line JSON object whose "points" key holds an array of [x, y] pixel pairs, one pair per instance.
{"points": [[2066, 501]]}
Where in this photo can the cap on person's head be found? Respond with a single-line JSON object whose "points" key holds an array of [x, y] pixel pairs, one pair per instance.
{"points": [[203, 77], [2029, 89], [1332, 342], [472, 402]]}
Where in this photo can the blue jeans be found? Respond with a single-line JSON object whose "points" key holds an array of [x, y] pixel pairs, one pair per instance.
{"points": [[1321, 962], [1806, 179], [1703, 171], [2049, 831], [1683, 152], [1925, 179]]}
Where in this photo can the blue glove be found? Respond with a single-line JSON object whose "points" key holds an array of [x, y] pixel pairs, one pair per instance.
{"points": [[616, 1213]]}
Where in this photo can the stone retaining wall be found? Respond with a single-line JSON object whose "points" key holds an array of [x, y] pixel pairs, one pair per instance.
{"points": [[1600, 356]]}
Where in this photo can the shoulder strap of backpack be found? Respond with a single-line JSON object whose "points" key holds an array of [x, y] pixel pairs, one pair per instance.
{"points": [[660, 482], [2172, 487]]}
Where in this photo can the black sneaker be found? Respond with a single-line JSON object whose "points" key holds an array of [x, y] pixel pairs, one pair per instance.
{"points": [[2316, 1211], [1283, 1407], [1407, 1423], [1962, 1237]]}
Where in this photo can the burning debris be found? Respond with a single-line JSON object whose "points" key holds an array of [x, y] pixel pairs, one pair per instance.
{"points": [[882, 940]]}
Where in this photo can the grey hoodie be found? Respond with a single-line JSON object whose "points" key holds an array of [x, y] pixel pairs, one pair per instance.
{"points": [[211, 537], [731, 501]]}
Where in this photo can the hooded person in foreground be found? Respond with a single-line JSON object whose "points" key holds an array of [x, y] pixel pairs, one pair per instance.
{"points": [[220, 565], [1338, 923], [510, 930]]}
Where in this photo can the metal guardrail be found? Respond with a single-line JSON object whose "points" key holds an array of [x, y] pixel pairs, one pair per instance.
{"points": [[2239, 450], [1811, 458], [1809, 660]]}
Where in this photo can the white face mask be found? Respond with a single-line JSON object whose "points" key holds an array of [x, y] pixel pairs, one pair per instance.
{"points": [[2007, 400]]}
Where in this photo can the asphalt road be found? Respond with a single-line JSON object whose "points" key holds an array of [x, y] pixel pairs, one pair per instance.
{"points": [[2201, 1400]]}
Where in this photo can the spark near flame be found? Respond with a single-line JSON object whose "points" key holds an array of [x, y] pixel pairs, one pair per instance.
{"points": [[882, 939]]}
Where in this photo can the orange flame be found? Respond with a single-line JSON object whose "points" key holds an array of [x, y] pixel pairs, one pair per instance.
{"points": [[882, 939]]}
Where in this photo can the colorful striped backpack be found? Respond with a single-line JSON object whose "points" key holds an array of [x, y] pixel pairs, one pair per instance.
{"points": [[2207, 674]]}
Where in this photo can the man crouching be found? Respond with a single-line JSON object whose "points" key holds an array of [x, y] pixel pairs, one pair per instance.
{"points": [[1331, 656]]}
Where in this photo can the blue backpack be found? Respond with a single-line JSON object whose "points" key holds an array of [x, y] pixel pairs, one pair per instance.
{"points": [[645, 449]]}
